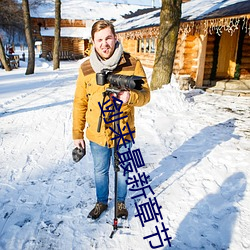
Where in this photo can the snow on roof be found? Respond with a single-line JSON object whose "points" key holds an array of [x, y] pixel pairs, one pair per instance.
{"points": [[85, 10], [192, 10], [197, 9], [145, 20], [79, 32]]}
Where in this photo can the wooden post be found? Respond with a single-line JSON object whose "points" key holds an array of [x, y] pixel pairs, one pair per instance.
{"points": [[201, 60]]}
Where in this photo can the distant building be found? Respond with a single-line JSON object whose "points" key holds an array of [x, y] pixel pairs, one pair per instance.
{"points": [[75, 36], [77, 19]]}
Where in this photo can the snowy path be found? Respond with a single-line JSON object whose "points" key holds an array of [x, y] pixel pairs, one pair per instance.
{"points": [[196, 150]]}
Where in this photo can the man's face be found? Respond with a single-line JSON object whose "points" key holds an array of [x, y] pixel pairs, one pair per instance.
{"points": [[104, 42]]}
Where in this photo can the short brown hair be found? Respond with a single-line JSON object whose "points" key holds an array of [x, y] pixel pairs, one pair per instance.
{"points": [[101, 24]]}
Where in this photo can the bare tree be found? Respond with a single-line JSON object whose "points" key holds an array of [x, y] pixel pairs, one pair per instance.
{"points": [[28, 33], [168, 34], [3, 57], [11, 16], [11, 24], [36, 3], [56, 59]]}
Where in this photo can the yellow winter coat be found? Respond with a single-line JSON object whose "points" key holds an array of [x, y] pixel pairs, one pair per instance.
{"points": [[88, 94]]}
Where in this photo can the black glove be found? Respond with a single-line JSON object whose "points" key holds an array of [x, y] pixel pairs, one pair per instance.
{"points": [[78, 153]]}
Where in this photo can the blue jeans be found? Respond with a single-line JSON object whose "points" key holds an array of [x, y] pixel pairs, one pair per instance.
{"points": [[102, 157]]}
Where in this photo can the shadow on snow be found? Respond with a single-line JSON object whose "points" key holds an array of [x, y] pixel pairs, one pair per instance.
{"points": [[22, 110], [209, 225]]}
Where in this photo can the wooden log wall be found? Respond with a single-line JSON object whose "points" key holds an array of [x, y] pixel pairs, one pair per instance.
{"points": [[131, 46], [185, 59], [73, 45], [79, 46], [178, 61], [47, 45], [186, 55], [50, 22], [190, 56], [66, 44], [146, 59]]}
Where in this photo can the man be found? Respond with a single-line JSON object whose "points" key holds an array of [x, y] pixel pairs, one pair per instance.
{"points": [[107, 54]]}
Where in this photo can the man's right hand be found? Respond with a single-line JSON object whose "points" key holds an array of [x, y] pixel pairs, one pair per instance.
{"points": [[79, 143]]}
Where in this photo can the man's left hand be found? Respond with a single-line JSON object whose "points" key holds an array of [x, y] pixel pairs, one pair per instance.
{"points": [[124, 96]]}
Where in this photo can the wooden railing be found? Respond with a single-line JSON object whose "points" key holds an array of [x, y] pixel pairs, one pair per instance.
{"points": [[63, 55]]}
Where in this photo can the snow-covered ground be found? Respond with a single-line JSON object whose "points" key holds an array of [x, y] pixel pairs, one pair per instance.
{"points": [[196, 150]]}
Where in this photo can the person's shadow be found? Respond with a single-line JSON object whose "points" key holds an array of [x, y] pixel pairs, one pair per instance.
{"points": [[209, 225], [188, 156]]}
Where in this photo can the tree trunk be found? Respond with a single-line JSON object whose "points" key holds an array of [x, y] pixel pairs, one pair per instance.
{"points": [[56, 59], [168, 34], [3, 57], [28, 33]]}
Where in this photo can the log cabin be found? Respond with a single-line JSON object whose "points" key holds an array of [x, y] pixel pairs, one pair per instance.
{"points": [[77, 19], [213, 41], [74, 37]]}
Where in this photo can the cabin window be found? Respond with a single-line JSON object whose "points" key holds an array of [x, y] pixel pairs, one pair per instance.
{"points": [[146, 45], [152, 45]]}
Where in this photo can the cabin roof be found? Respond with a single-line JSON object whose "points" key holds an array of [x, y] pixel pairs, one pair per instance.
{"points": [[208, 9], [193, 10], [140, 21], [85, 10]]}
